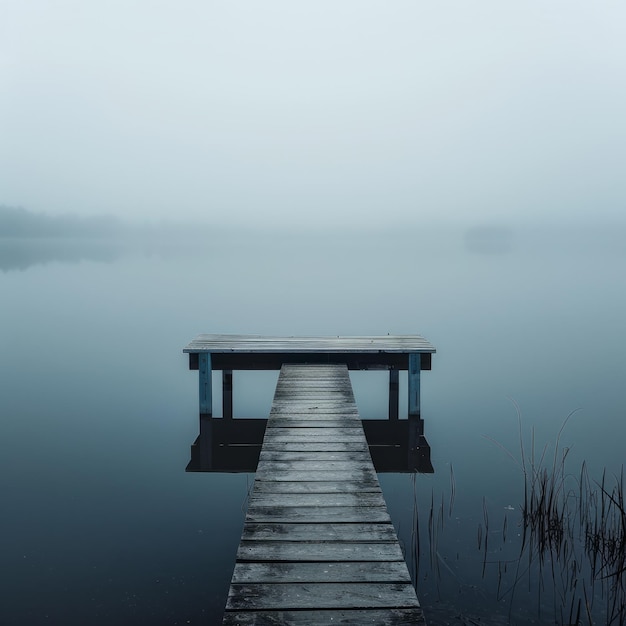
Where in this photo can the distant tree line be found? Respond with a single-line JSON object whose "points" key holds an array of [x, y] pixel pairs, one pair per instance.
{"points": [[19, 222]]}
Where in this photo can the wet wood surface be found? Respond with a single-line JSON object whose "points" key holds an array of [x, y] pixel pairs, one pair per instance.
{"points": [[255, 352], [353, 344], [326, 617], [318, 545]]}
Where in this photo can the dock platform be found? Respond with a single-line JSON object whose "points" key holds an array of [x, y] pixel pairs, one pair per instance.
{"points": [[227, 444], [318, 545]]}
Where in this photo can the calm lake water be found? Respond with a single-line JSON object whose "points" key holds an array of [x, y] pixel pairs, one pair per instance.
{"points": [[100, 523]]}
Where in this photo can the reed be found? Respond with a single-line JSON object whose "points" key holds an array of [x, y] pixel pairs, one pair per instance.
{"points": [[562, 551], [573, 536]]}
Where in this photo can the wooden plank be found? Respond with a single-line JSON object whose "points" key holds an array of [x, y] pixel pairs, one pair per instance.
{"points": [[353, 430], [312, 446], [267, 465], [318, 499], [386, 617], [319, 532], [331, 514], [319, 434], [321, 596], [355, 344], [312, 435], [300, 455], [347, 572], [275, 360], [306, 551], [303, 374], [326, 390], [302, 422], [297, 395], [314, 400], [347, 414], [313, 404], [325, 393], [302, 437], [314, 476], [320, 486], [313, 409]]}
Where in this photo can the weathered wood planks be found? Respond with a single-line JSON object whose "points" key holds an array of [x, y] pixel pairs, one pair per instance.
{"points": [[257, 343], [233, 352], [348, 571], [354, 617], [318, 546]]}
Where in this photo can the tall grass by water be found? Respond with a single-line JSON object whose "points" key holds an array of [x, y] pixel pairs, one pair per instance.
{"points": [[559, 557]]}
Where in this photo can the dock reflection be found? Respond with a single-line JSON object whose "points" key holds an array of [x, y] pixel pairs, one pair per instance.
{"points": [[234, 445]]}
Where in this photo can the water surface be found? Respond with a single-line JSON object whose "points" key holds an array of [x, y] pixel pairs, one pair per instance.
{"points": [[101, 524]]}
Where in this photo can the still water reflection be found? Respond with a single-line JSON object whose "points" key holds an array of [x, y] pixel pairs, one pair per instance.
{"points": [[102, 525]]}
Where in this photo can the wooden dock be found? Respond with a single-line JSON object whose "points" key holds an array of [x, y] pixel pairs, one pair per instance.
{"points": [[318, 545], [394, 353]]}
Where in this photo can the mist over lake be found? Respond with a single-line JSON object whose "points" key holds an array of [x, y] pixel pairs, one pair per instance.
{"points": [[448, 169], [100, 522]]}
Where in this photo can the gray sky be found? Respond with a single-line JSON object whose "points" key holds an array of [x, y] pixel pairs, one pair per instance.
{"points": [[314, 111]]}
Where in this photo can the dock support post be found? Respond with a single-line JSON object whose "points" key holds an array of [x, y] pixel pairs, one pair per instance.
{"points": [[227, 394], [394, 393], [414, 384], [416, 426], [204, 380], [206, 410]]}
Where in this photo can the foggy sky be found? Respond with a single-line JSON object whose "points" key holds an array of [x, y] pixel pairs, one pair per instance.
{"points": [[314, 112]]}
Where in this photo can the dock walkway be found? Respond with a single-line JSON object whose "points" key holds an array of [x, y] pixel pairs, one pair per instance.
{"points": [[318, 545]]}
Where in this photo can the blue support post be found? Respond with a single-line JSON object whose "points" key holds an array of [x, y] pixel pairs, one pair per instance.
{"points": [[416, 427], [204, 380], [415, 362], [205, 439]]}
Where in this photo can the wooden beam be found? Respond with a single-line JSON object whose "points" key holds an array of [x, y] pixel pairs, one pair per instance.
{"points": [[414, 384], [227, 394], [205, 384], [394, 393]]}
